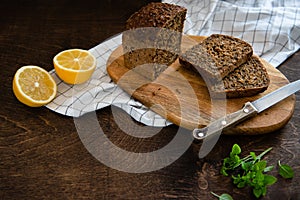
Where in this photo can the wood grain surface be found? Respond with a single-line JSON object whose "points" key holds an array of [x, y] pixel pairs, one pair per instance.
{"points": [[182, 97], [41, 154]]}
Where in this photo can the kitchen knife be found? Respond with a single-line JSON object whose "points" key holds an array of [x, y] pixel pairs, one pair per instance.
{"points": [[249, 109]]}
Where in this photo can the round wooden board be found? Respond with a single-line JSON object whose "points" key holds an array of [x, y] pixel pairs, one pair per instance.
{"points": [[181, 96]]}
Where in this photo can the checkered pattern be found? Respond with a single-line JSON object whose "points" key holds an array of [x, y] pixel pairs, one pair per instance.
{"points": [[100, 91], [272, 28]]}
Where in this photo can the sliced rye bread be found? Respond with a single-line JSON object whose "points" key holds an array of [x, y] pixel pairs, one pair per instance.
{"points": [[156, 48], [225, 54], [247, 80]]}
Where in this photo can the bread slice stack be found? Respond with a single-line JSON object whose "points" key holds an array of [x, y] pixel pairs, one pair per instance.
{"points": [[228, 65]]}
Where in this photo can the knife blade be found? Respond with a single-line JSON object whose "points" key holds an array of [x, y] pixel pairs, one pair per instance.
{"points": [[249, 109]]}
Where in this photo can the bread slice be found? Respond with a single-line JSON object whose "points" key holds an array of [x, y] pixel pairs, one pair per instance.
{"points": [[154, 38], [225, 54], [247, 80], [227, 65]]}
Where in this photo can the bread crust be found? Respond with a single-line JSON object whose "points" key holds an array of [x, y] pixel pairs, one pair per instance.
{"points": [[155, 14], [249, 79], [155, 48]]}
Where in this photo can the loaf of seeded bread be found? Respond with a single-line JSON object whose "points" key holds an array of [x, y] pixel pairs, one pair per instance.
{"points": [[225, 53], [153, 38], [247, 80]]}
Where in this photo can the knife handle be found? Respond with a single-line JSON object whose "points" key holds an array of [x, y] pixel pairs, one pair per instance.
{"points": [[224, 122]]}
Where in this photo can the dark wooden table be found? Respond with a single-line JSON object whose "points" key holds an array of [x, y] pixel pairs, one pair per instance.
{"points": [[41, 155]]}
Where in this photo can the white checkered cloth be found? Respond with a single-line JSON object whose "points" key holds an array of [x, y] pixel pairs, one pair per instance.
{"points": [[100, 91], [271, 27]]}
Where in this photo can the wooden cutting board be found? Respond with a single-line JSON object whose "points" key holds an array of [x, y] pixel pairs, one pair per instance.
{"points": [[182, 97]]}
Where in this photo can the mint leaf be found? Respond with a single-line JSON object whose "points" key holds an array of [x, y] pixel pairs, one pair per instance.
{"points": [[241, 184], [246, 166], [261, 165], [223, 196], [252, 154], [269, 180], [236, 149], [264, 191], [231, 162], [257, 192], [223, 171], [285, 170], [259, 178]]}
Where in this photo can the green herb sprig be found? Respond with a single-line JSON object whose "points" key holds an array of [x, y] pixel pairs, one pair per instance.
{"points": [[252, 170], [234, 161]]}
